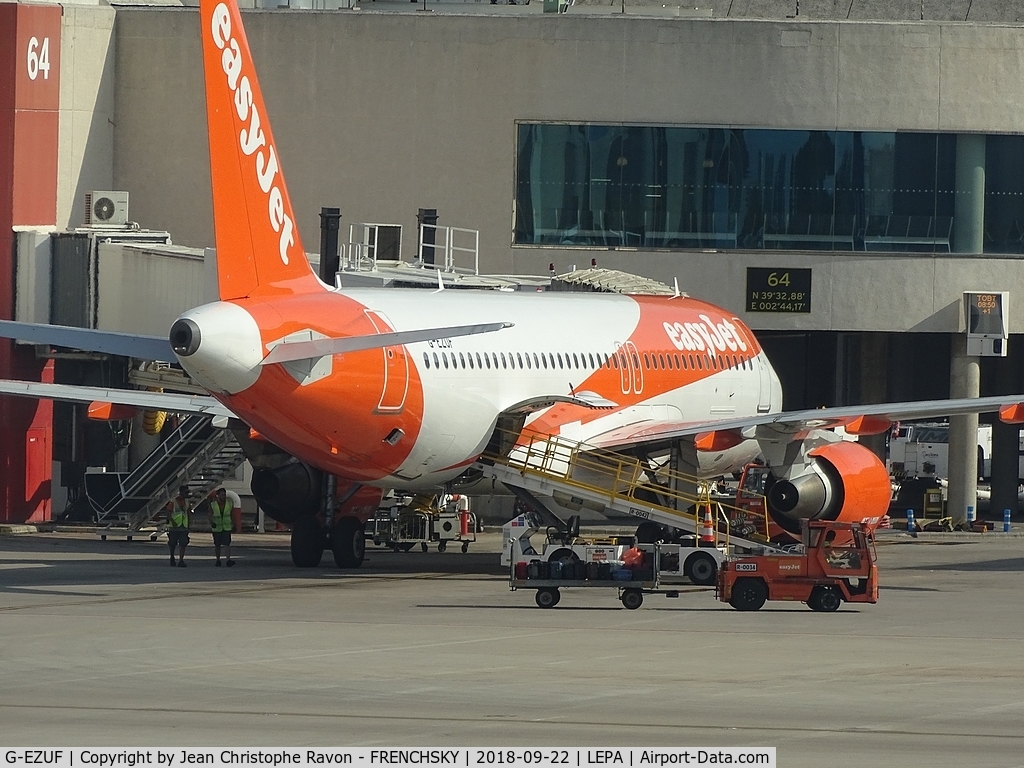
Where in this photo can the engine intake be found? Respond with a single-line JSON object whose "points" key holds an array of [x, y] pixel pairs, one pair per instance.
{"points": [[288, 492], [841, 481]]}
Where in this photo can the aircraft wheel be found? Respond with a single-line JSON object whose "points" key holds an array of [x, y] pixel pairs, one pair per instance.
{"points": [[307, 543], [423, 546], [442, 546], [465, 547], [632, 599], [748, 594], [348, 543], [548, 597], [701, 568], [824, 599]]}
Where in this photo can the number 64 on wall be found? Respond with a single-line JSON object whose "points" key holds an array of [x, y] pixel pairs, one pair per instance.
{"points": [[38, 58]]}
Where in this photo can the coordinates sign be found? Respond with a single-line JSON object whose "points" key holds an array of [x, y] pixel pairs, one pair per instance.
{"points": [[778, 289]]}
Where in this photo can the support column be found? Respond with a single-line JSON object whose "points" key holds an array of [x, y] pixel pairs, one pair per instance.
{"points": [[29, 115], [964, 375], [874, 382], [964, 381], [969, 197]]}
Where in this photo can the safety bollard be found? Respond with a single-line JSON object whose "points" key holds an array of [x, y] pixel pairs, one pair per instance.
{"points": [[910, 521], [1006, 521], [970, 515]]}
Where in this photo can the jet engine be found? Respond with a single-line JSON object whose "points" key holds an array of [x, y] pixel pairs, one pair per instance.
{"points": [[835, 481], [288, 492]]}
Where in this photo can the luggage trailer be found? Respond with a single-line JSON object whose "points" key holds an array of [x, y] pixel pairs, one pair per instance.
{"points": [[664, 568]]}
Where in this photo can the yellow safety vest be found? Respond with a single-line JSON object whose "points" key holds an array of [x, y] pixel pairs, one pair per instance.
{"points": [[179, 516], [222, 521]]}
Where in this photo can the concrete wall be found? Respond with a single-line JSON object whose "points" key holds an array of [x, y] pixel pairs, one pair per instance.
{"points": [[86, 133], [382, 113]]}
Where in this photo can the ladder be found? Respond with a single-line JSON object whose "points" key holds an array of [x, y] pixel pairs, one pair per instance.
{"points": [[608, 481], [196, 454]]}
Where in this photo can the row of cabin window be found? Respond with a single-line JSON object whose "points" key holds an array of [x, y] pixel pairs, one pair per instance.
{"points": [[662, 360]]}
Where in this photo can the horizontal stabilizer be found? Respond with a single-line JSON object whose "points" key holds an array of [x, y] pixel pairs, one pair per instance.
{"points": [[304, 350], [162, 401], [91, 340]]}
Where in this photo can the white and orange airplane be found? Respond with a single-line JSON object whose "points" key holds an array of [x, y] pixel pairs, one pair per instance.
{"points": [[351, 392]]}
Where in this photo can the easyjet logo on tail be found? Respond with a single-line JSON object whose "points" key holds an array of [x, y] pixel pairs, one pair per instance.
{"points": [[252, 140], [705, 335]]}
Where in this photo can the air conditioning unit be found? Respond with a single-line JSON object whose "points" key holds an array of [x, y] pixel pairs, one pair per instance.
{"points": [[106, 209]]}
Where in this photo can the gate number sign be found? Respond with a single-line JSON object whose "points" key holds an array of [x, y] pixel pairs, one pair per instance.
{"points": [[778, 289]]}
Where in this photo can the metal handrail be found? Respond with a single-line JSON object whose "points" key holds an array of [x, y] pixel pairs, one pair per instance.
{"points": [[556, 457]]}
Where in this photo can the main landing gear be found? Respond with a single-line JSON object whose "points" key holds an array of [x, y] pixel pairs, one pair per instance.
{"points": [[310, 538]]}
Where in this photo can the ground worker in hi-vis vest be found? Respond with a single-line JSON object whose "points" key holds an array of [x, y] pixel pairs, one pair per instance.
{"points": [[178, 518], [221, 523]]}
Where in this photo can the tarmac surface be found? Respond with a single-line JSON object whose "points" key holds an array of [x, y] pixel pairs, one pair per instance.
{"points": [[105, 645]]}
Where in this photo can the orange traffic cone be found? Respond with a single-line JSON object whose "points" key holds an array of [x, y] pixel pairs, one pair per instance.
{"points": [[707, 529]]}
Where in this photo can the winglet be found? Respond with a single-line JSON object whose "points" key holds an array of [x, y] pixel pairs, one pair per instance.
{"points": [[258, 245]]}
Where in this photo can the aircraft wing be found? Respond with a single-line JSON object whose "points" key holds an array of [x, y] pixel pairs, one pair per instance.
{"points": [[91, 340], [791, 425], [161, 401]]}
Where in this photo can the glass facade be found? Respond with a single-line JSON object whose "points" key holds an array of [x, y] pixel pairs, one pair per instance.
{"points": [[680, 187]]}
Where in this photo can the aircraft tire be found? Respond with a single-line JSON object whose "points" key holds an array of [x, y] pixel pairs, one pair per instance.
{"points": [[348, 543], [307, 543]]}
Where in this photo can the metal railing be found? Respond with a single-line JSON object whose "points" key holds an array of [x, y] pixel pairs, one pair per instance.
{"points": [[616, 478], [454, 241], [195, 454]]}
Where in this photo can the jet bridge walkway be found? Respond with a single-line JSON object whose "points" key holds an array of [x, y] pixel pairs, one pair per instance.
{"points": [[196, 454], [609, 481]]}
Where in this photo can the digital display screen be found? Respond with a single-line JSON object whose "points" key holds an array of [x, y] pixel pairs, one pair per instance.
{"points": [[985, 314]]}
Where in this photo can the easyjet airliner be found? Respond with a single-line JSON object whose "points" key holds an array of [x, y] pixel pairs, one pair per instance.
{"points": [[349, 393]]}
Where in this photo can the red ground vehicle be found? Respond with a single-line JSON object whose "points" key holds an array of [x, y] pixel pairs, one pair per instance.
{"points": [[748, 515], [837, 564]]}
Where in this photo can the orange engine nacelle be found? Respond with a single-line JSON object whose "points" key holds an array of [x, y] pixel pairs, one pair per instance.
{"points": [[843, 481]]}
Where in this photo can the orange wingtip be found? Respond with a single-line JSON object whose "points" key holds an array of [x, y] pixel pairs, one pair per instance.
{"points": [[868, 425], [100, 411], [1012, 414], [719, 440]]}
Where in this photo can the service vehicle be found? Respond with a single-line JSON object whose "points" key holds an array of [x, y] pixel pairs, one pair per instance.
{"points": [[424, 520], [617, 562], [834, 563]]}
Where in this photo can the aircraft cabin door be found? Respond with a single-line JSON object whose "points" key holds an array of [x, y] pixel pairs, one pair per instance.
{"points": [[635, 371], [623, 366], [396, 369]]}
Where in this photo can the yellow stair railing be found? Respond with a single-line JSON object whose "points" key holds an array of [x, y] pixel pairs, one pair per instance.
{"points": [[613, 476]]}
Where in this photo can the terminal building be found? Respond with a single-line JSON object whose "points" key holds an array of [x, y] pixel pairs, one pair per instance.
{"points": [[842, 175]]}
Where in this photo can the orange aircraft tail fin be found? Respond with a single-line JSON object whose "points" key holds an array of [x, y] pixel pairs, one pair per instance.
{"points": [[258, 245]]}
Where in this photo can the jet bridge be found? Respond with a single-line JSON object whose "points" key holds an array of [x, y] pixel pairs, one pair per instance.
{"points": [[575, 474]]}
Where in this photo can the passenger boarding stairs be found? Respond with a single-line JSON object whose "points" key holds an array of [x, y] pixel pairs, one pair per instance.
{"points": [[196, 454], [611, 482]]}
